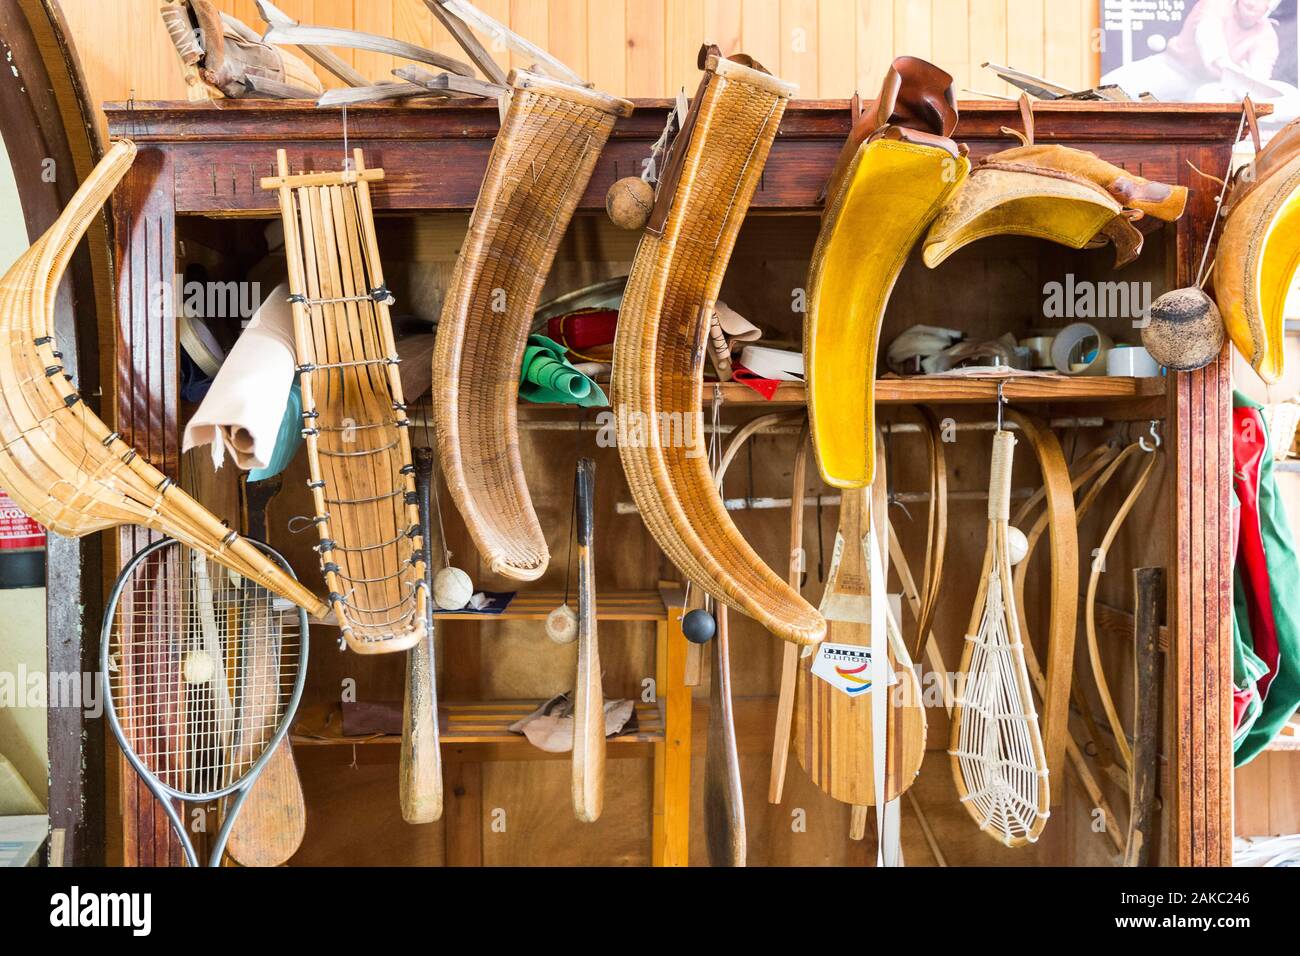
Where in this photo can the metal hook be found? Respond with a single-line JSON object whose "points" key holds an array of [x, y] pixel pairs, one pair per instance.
{"points": [[1002, 400], [1154, 432]]}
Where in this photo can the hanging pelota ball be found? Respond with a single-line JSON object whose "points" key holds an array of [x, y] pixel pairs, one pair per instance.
{"points": [[562, 625], [1017, 545], [629, 201], [1184, 330], [452, 589], [699, 626]]}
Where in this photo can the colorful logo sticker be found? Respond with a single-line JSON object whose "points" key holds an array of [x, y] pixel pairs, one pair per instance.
{"points": [[846, 667]]}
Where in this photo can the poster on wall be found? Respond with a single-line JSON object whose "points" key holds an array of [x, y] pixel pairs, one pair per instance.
{"points": [[1204, 51]]}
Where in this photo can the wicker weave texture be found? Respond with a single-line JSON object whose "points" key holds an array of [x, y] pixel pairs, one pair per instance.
{"points": [[540, 165], [659, 354], [354, 417], [60, 462]]}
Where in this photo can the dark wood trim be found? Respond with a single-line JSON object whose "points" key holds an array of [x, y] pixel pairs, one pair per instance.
{"points": [[52, 139]]}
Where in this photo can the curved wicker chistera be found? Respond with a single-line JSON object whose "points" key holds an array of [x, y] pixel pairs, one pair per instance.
{"points": [[894, 174], [59, 462], [1259, 253], [710, 175], [354, 417], [543, 157]]}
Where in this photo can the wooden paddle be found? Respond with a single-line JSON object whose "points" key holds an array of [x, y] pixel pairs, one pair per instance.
{"points": [[420, 769], [273, 820], [833, 738], [1144, 770], [588, 699]]}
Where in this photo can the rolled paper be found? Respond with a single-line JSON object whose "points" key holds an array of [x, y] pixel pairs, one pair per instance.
{"points": [[547, 377]]}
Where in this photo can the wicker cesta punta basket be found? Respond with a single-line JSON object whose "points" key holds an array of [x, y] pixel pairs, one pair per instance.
{"points": [[542, 159], [63, 466], [354, 416], [710, 176]]}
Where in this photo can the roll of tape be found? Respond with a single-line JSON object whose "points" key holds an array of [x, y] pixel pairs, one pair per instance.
{"points": [[1040, 351], [1131, 360], [1080, 349]]}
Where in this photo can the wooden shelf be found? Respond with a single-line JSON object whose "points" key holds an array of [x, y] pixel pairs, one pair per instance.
{"points": [[950, 390], [535, 605], [476, 723]]}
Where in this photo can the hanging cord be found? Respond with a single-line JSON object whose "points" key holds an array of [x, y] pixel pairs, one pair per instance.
{"points": [[1201, 273]]}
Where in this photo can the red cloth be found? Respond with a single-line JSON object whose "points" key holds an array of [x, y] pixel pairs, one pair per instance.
{"points": [[764, 386], [1249, 445]]}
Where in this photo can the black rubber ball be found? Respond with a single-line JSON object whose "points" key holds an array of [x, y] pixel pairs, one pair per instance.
{"points": [[699, 626]]}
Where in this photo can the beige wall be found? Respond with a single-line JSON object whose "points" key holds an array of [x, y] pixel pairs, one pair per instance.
{"points": [[648, 47]]}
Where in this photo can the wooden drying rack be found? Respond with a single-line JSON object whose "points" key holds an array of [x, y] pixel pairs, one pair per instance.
{"points": [[206, 160]]}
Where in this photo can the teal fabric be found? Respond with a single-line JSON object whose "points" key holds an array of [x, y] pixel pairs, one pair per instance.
{"points": [[1284, 587], [547, 377], [287, 440]]}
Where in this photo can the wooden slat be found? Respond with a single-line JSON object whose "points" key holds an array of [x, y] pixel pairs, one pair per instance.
{"points": [[536, 605], [1026, 38], [800, 46], [988, 42], [875, 44], [950, 39], [912, 36], [968, 390], [837, 41], [722, 24], [645, 48], [760, 31], [530, 19], [684, 33], [463, 723], [606, 37], [372, 17], [567, 34]]}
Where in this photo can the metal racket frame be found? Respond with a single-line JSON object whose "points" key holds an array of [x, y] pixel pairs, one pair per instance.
{"points": [[244, 785]]}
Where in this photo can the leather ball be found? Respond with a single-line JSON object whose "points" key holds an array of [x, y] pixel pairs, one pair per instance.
{"points": [[452, 589], [562, 625], [1184, 331], [629, 201]]}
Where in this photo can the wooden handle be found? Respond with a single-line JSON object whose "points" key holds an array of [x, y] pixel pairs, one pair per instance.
{"points": [[1144, 772], [420, 768], [273, 820], [724, 801], [589, 701], [789, 652]]}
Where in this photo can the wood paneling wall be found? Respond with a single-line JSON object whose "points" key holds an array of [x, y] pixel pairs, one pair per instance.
{"points": [[648, 47]]}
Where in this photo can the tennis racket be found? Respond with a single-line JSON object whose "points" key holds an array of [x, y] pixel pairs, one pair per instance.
{"points": [[202, 671]]}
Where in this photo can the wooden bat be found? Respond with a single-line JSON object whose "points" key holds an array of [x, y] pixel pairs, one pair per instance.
{"points": [[833, 739], [273, 820], [790, 652], [724, 801], [588, 700], [421, 760], [1144, 771]]}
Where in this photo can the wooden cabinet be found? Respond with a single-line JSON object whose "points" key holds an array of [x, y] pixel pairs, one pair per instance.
{"points": [[202, 162]]}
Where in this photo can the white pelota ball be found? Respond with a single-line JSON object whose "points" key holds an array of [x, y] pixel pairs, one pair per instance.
{"points": [[562, 625], [1017, 545], [198, 667], [452, 589]]}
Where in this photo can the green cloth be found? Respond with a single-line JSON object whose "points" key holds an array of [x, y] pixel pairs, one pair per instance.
{"points": [[287, 439], [547, 377], [1284, 587]]}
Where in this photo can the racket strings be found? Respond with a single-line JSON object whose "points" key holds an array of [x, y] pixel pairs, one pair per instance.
{"points": [[203, 667], [998, 747]]}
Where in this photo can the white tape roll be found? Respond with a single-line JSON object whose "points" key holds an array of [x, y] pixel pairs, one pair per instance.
{"points": [[1080, 349]]}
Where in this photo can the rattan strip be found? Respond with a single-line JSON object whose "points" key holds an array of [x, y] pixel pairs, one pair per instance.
{"points": [[354, 415], [540, 165], [658, 354], [58, 460]]}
